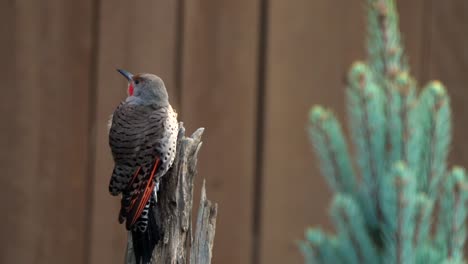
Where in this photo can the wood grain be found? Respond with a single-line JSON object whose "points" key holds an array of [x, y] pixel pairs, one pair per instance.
{"points": [[139, 37], [202, 249], [219, 81], [46, 58]]}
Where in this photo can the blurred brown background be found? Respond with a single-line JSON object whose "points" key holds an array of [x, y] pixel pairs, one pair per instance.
{"points": [[246, 70]]}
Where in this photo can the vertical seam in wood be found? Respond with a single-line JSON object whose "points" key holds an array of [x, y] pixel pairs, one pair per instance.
{"points": [[427, 19], [92, 101], [259, 136], [179, 52]]}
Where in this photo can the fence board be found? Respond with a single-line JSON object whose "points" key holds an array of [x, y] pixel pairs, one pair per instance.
{"points": [[139, 37], [311, 45], [45, 79], [219, 81]]}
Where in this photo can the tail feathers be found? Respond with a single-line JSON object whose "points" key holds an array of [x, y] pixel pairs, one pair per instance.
{"points": [[144, 240], [140, 196]]}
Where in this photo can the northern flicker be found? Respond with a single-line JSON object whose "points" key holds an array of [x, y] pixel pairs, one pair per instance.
{"points": [[142, 137]]}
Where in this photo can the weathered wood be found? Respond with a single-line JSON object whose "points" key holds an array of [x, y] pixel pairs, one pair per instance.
{"points": [[201, 251], [174, 210]]}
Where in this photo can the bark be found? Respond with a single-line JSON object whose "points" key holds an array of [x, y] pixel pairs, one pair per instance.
{"points": [[174, 211]]}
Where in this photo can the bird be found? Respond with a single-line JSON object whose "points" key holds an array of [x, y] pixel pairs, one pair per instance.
{"points": [[143, 139]]}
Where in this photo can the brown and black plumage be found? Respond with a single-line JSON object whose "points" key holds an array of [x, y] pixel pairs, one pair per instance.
{"points": [[142, 138]]}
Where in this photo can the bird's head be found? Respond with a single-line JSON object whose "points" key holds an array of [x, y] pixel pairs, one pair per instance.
{"points": [[145, 88]]}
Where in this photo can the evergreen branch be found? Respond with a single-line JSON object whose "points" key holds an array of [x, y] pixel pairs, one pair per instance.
{"points": [[308, 251], [330, 147], [434, 114], [398, 202], [321, 248], [350, 222], [453, 261], [401, 146], [451, 229], [385, 49], [401, 119], [422, 219], [386, 60], [427, 254], [365, 102]]}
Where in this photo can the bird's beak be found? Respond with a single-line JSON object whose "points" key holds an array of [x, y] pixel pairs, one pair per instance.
{"points": [[126, 74]]}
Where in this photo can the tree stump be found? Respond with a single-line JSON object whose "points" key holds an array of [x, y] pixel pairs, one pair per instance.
{"points": [[174, 211]]}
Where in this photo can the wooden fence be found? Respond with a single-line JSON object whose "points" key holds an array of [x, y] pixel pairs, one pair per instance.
{"points": [[246, 70]]}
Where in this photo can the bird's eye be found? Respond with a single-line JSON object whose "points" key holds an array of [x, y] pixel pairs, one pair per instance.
{"points": [[137, 81]]}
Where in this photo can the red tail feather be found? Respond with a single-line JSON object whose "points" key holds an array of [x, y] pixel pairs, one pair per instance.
{"points": [[142, 197]]}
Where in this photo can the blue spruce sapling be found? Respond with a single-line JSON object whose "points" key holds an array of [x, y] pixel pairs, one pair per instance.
{"points": [[398, 202]]}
